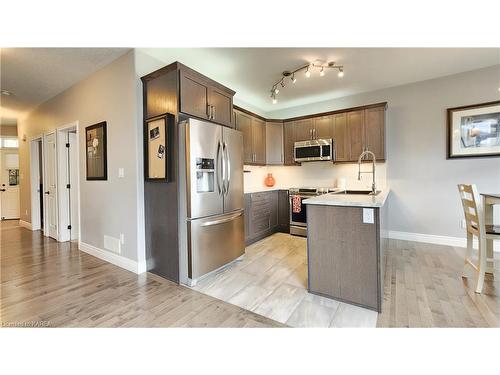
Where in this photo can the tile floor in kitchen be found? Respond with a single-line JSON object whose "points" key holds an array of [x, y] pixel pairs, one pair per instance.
{"points": [[271, 280]]}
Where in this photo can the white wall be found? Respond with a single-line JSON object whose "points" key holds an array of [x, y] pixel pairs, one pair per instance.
{"points": [[424, 195], [108, 207]]}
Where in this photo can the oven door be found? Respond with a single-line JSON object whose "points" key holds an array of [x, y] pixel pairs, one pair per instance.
{"points": [[298, 220]]}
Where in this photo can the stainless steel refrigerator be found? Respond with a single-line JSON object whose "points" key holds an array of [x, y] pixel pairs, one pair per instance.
{"points": [[212, 230]]}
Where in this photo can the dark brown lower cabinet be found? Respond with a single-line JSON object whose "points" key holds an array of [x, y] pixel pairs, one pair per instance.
{"points": [[345, 254], [264, 214], [283, 211]]}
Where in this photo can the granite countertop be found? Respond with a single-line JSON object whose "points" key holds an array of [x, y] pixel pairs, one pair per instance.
{"points": [[350, 200]]}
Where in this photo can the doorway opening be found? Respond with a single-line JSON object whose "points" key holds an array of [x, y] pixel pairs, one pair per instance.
{"points": [[36, 173], [9, 177]]}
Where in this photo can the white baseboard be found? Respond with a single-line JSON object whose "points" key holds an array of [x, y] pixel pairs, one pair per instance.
{"points": [[117, 260], [25, 224], [434, 239]]}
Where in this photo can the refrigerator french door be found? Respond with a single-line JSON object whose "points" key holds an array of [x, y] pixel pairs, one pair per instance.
{"points": [[214, 199]]}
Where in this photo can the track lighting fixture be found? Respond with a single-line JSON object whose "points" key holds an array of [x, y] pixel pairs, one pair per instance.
{"points": [[291, 73]]}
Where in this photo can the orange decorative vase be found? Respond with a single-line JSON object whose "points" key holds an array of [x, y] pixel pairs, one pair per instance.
{"points": [[269, 181]]}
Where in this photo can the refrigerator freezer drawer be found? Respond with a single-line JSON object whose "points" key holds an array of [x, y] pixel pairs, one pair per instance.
{"points": [[215, 241]]}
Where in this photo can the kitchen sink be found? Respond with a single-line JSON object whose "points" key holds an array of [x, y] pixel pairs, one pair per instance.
{"points": [[358, 192]]}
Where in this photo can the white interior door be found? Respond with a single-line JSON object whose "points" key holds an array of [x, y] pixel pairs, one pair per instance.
{"points": [[50, 181], [10, 202], [73, 181], [9, 188]]}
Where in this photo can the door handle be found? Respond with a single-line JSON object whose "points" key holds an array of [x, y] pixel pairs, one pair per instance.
{"points": [[228, 167], [223, 164], [2, 189], [221, 221], [217, 168], [47, 192]]}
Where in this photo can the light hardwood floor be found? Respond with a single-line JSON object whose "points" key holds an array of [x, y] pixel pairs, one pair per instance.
{"points": [[45, 283], [423, 288]]}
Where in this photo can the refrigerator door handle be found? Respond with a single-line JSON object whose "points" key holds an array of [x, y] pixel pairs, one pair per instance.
{"points": [[217, 168], [223, 166], [221, 221], [228, 168]]}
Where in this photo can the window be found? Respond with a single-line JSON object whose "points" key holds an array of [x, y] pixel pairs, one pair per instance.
{"points": [[9, 142]]}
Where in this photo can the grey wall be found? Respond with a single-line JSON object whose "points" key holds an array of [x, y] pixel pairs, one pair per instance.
{"points": [[107, 207], [424, 195]]}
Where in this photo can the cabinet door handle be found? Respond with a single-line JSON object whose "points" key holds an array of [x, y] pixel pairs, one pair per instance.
{"points": [[208, 111], [213, 112]]}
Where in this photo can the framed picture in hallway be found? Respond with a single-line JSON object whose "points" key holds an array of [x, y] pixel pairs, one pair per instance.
{"points": [[474, 130], [96, 152]]}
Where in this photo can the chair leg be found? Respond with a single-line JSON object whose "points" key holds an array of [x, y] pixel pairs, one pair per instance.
{"points": [[482, 266], [468, 253]]}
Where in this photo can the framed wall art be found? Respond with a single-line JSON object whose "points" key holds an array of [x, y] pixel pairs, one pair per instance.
{"points": [[157, 148], [474, 131], [96, 152]]}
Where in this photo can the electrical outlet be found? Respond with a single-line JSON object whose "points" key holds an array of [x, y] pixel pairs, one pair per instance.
{"points": [[122, 238], [368, 216], [121, 172], [462, 224]]}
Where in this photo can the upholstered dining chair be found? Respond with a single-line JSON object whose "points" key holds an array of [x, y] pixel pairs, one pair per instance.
{"points": [[475, 226]]}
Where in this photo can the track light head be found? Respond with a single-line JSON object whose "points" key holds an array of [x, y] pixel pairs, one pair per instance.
{"points": [[308, 73], [322, 72], [341, 72], [293, 78]]}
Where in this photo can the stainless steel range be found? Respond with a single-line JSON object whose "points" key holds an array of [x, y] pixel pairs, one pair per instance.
{"points": [[298, 210]]}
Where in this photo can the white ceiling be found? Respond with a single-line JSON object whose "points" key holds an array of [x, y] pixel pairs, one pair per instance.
{"points": [[35, 75], [252, 71]]}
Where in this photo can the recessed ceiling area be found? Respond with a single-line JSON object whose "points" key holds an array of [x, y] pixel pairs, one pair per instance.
{"points": [[251, 72], [34, 75]]}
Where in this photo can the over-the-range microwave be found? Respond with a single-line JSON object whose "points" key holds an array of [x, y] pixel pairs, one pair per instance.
{"points": [[314, 150]]}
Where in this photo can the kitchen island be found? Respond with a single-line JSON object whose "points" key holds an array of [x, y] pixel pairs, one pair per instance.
{"points": [[346, 239]]}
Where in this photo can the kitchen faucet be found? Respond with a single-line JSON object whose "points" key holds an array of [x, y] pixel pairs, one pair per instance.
{"points": [[367, 152]]}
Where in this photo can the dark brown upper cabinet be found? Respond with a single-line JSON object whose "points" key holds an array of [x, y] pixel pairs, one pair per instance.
{"points": [[274, 143], [366, 129], [375, 131], [322, 127], [288, 141], [356, 133], [259, 141], [340, 143], [222, 106], [194, 96], [254, 138], [352, 130], [303, 130], [204, 98]]}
